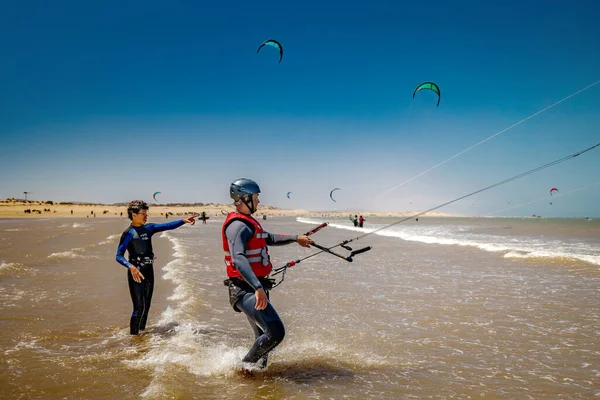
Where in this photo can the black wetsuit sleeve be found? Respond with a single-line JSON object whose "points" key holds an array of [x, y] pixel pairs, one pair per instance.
{"points": [[238, 233], [155, 228], [279, 240], [126, 238]]}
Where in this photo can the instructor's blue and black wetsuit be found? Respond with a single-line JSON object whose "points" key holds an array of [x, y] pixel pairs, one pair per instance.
{"points": [[137, 241], [266, 324]]}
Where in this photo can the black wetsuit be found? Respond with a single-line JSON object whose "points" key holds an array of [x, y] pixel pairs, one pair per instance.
{"points": [[266, 324], [137, 241]]}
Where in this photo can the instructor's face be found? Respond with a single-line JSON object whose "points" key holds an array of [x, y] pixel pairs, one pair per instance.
{"points": [[139, 218]]}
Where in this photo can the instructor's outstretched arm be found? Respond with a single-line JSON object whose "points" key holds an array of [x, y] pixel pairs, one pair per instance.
{"points": [[168, 226]]}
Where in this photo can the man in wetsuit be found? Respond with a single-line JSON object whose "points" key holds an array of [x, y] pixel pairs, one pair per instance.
{"points": [[137, 240], [248, 267], [203, 217]]}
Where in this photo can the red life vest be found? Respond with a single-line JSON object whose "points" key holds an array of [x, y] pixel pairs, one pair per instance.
{"points": [[256, 248]]}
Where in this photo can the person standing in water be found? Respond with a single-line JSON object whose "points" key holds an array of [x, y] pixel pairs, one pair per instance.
{"points": [[203, 217], [137, 240], [248, 267], [361, 221], [355, 220]]}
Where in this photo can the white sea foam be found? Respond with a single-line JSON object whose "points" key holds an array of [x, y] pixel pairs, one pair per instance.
{"points": [[65, 254], [530, 247], [24, 344], [5, 265], [591, 259], [109, 239]]}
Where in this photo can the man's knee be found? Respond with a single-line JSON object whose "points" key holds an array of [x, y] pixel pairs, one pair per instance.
{"points": [[277, 331]]}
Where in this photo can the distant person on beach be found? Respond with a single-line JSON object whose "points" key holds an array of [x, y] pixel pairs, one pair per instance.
{"points": [[248, 268], [137, 241], [71, 212], [361, 221], [203, 217], [355, 220]]}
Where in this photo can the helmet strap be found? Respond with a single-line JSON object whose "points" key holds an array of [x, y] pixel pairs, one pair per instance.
{"points": [[250, 205]]}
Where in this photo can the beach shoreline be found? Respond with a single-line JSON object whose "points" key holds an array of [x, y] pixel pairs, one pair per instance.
{"points": [[51, 209]]}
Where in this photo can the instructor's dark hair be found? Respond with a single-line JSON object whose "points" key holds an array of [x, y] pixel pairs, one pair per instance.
{"points": [[135, 206]]}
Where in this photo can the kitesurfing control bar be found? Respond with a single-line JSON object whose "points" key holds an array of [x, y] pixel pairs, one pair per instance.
{"points": [[282, 270], [347, 258], [290, 264]]}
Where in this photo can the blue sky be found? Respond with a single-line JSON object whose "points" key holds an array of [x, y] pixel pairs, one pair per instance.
{"points": [[108, 101]]}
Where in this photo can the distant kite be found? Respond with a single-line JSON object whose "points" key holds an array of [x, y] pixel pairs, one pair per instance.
{"points": [[331, 194], [288, 195], [154, 195], [552, 190], [273, 43], [429, 86]]}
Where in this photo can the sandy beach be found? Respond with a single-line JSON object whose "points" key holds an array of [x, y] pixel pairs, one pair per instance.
{"points": [[48, 208]]}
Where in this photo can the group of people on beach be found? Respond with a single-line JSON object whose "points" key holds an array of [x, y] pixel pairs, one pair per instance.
{"points": [[358, 221], [247, 264]]}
